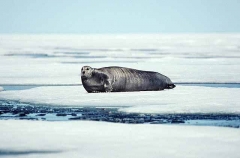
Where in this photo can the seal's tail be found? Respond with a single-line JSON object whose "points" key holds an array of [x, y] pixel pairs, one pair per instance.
{"points": [[171, 86]]}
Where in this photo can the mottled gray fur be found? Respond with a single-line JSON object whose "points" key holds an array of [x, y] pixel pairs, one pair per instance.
{"points": [[120, 79]]}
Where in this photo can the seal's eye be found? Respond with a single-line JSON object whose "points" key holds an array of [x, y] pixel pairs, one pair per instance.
{"points": [[87, 68]]}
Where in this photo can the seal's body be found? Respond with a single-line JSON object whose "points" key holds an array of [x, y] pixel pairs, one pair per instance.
{"points": [[120, 79]]}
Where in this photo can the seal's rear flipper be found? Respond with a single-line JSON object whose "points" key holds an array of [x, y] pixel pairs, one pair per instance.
{"points": [[171, 86]]}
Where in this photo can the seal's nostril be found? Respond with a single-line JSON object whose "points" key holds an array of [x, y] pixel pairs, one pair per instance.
{"points": [[83, 72]]}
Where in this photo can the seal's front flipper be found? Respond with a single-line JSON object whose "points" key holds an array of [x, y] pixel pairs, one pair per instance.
{"points": [[108, 86]]}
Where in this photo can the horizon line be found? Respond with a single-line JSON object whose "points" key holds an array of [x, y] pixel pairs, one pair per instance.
{"points": [[157, 33]]}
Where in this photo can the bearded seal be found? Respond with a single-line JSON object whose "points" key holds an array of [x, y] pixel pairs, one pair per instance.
{"points": [[121, 79]]}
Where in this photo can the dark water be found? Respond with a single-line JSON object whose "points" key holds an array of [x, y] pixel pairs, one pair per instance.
{"points": [[25, 87], [24, 111], [15, 153], [214, 85], [11, 88]]}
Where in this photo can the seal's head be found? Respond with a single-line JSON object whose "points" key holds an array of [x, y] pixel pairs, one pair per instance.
{"points": [[86, 72]]}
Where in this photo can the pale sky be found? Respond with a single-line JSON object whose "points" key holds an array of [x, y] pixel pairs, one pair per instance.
{"points": [[119, 16]]}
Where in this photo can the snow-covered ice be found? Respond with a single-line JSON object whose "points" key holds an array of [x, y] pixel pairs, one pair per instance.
{"points": [[182, 99], [57, 59], [107, 140]]}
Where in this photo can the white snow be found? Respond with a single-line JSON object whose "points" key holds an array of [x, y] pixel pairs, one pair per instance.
{"points": [[1, 89], [108, 140], [182, 99], [57, 59]]}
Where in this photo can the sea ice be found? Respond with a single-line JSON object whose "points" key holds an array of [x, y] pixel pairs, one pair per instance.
{"points": [[57, 59], [107, 140], [182, 99]]}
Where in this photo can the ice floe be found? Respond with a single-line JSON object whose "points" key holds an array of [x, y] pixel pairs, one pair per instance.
{"points": [[182, 99], [108, 140]]}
